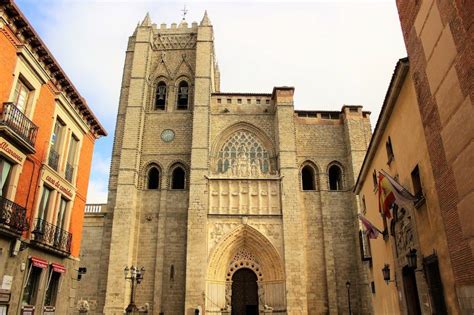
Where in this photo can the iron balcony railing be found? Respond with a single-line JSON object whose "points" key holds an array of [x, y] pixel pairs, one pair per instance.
{"points": [[13, 118], [13, 216], [53, 159], [69, 172], [49, 234]]}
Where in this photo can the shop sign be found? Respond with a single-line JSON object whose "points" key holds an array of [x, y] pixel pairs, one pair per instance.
{"points": [[58, 268], [39, 262], [58, 185], [9, 150], [7, 282]]}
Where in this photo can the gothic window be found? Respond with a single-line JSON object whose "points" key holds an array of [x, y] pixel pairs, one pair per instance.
{"points": [[160, 97], [335, 178], [243, 155], [307, 178], [178, 178], [153, 178], [183, 95]]}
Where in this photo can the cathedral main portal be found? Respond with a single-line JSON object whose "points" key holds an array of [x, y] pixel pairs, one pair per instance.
{"points": [[244, 293]]}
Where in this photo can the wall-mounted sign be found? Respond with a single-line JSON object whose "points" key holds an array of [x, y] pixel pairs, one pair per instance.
{"points": [[59, 186], [7, 282], [11, 151]]}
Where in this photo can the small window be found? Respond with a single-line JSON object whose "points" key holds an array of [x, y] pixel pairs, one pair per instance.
{"points": [[335, 178], [249, 101], [239, 101], [22, 95], [219, 101], [364, 206], [30, 291], [258, 101], [388, 146], [153, 180], [183, 95], [267, 102], [416, 181], [160, 97], [307, 178], [52, 289], [172, 273], [229, 101], [364, 244], [178, 178]]}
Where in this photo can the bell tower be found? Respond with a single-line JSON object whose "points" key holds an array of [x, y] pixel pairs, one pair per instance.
{"points": [[162, 124]]}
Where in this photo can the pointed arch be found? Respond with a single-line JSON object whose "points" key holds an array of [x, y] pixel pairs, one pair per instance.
{"points": [[255, 145], [245, 237], [335, 173], [178, 176], [309, 176]]}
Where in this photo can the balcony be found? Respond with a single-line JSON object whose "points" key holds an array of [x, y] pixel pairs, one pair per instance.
{"points": [[69, 172], [53, 159], [15, 125], [51, 237], [13, 219]]}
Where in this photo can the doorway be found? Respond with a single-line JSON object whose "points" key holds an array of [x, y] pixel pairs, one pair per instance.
{"points": [[411, 292], [244, 292]]}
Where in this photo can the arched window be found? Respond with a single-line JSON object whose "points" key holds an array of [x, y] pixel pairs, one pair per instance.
{"points": [[183, 95], [307, 178], [160, 97], [178, 178], [335, 178], [243, 154], [153, 178]]}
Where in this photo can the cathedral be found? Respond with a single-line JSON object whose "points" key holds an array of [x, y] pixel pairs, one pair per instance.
{"points": [[232, 203]]}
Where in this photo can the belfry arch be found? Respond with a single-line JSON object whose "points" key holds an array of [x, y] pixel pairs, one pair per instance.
{"points": [[245, 248]]}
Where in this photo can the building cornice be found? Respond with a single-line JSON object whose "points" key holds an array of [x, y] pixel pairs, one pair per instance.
{"points": [[24, 31]]}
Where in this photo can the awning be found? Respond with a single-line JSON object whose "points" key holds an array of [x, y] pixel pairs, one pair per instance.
{"points": [[58, 268], [39, 262]]}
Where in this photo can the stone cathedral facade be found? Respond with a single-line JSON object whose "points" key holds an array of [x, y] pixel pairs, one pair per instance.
{"points": [[234, 203]]}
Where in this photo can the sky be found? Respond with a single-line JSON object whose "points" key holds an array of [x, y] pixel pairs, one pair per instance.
{"points": [[333, 52]]}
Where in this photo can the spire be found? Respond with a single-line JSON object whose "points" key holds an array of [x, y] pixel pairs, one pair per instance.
{"points": [[146, 21], [205, 20]]}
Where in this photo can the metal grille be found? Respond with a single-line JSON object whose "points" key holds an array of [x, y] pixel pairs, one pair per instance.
{"points": [[12, 117], [52, 235], [13, 215], [53, 160]]}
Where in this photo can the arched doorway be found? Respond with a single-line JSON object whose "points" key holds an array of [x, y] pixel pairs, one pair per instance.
{"points": [[244, 292]]}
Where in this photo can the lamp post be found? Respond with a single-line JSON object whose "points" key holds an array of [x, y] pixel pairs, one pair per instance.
{"points": [[348, 286], [411, 259], [135, 276]]}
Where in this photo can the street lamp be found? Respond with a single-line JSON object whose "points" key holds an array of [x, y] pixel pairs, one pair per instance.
{"points": [[348, 286], [135, 276], [386, 273]]}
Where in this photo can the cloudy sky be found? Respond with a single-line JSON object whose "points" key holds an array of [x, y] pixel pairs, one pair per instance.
{"points": [[333, 52]]}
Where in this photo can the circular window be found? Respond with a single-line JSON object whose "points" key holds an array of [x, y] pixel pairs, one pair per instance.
{"points": [[167, 135]]}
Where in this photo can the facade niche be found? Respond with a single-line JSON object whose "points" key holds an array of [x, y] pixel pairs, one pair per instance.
{"points": [[153, 178], [183, 96], [178, 178], [308, 178], [160, 98], [335, 178]]}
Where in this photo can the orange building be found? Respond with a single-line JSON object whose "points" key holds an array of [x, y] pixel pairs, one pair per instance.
{"points": [[47, 135]]}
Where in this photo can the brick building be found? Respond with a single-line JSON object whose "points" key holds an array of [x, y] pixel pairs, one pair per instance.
{"points": [[47, 135], [216, 194]]}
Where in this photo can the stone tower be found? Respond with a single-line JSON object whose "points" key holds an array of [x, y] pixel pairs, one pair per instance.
{"points": [[216, 194]]}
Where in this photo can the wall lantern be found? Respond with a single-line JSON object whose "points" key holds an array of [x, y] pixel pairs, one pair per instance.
{"points": [[412, 259], [386, 273]]}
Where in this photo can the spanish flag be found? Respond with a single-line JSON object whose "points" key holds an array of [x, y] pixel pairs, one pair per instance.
{"points": [[386, 195]]}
